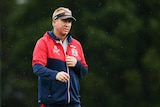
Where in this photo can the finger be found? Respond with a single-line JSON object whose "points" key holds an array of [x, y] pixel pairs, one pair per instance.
{"points": [[69, 58], [61, 79], [64, 76], [60, 76], [68, 63]]}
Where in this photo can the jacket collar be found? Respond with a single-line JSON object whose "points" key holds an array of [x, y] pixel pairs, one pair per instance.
{"points": [[51, 34]]}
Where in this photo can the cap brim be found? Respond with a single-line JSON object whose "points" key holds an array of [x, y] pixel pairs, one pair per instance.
{"points": [[67, 17]]}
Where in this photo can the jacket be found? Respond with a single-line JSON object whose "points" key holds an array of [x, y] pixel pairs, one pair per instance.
{"points": [[48, 59]]}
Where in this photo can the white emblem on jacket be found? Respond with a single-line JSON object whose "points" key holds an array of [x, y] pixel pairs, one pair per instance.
{"points": [[56, 50], [74, 50]]}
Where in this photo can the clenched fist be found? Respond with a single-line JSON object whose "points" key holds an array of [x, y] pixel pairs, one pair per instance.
{"points": [[71, 61], [62, 76]]}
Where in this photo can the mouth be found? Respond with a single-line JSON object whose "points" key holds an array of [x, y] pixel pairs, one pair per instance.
{"points": [[66, 30]]}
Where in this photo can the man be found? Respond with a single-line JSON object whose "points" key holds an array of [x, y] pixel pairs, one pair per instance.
{"points": [[58, 61]]}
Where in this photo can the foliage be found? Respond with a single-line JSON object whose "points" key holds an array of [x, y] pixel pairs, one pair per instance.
{"points": [[120, 41]]}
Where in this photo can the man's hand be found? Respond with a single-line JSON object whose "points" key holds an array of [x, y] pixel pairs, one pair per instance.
{"points": [[62, 76], [71, 61]]}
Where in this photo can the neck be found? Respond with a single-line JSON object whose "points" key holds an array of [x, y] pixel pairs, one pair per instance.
{"points": [[60, 36]]}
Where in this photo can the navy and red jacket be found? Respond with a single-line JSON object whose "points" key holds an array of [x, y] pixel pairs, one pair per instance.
{"points": [[49, 59]]}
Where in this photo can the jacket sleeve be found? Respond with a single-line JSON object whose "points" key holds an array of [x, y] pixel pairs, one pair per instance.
{"points": [[39, 61], [81, 67], [44, 72]]}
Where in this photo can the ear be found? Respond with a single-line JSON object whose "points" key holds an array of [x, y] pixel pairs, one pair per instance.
{"points": [[53, 22]]}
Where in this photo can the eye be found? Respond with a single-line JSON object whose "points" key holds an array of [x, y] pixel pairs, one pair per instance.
{"points": [[70, 20]]}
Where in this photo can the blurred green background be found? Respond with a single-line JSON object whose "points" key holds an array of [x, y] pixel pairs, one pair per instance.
{"points": [[121, 41]]}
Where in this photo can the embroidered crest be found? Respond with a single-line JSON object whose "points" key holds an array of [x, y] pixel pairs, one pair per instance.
{"points": [[56, 50], [74, 52]]}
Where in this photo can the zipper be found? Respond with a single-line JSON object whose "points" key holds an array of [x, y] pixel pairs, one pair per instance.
{"points": [[68, 88]]}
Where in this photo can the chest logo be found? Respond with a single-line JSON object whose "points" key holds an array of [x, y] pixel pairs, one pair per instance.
{"points": [[56, 50], [74, 52]]}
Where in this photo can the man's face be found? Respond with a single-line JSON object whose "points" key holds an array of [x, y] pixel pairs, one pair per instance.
{"points": [[62, 26]]}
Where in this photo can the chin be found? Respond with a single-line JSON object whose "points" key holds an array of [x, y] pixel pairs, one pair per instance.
{"points": [[65, 33]]}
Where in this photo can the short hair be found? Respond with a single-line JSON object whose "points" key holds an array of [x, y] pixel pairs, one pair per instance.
{"points": [[60, 10]]}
